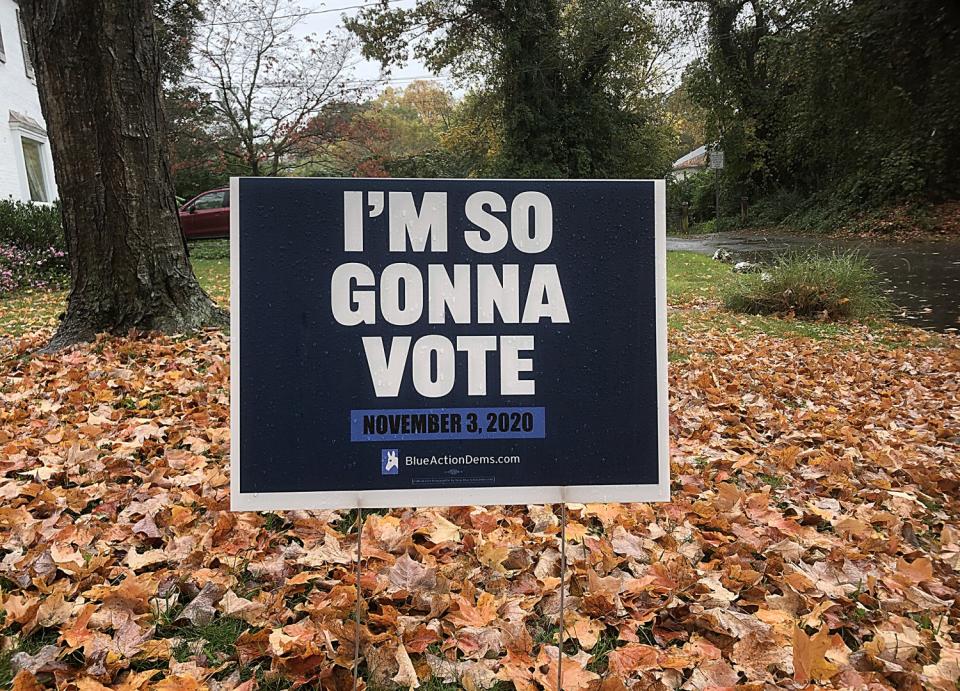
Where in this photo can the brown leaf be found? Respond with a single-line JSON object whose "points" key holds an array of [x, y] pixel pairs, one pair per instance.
{"points": [[809, 656], [25, 681], [44, 660], [631, 658], [407, 574], [575, 677], [202, 609], [468, 614], [407, 675], [917, 571]]}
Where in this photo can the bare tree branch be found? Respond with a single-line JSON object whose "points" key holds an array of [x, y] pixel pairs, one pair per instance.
{"points": [[269, 81]]}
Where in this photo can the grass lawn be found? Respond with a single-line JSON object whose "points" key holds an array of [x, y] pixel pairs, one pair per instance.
{"points": [[694, 285], [34, 310], [692, 277], [694, 282]]}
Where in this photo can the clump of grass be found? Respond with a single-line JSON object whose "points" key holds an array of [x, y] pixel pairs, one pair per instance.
{"points": [[216, 639], [837, 286]]}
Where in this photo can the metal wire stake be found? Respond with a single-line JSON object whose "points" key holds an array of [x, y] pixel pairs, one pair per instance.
{"points": [[356, 624], [563, 578]]}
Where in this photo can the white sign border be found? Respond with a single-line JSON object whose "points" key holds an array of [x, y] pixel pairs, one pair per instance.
{"points": [[466, 496]]}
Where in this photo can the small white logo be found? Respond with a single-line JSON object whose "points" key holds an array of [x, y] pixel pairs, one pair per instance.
{"points": [[389, 462]]}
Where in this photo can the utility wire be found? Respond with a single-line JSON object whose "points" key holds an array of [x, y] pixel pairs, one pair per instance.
{"points": [[392, 80], [300, 14]]}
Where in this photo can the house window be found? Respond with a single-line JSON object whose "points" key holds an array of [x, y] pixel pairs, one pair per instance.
{"points": [[24, 46], [3, 55], [33, 163]]}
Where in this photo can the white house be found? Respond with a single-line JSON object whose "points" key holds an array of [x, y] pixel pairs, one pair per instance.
{"points": [[691, 164], [26, 167]]}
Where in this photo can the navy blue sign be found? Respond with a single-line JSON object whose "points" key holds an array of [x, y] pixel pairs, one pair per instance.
{"points": [[444, 342]]}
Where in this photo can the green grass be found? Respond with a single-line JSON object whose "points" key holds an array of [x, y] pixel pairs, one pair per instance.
{"points": [[837, 286], [265, 679], [211, 264], [30, 311], [209, 249], [692, 276], [217, 639], [605, 645], [775, 481], [691, 279], [37, 309], [348, 519], [543, 631], [214, 277], [29, 644]]}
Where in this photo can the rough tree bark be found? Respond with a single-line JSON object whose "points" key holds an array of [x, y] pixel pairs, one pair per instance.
{"points": [[98, 73]]}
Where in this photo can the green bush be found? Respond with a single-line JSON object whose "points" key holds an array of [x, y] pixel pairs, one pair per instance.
{"points": [[704, 227], [210, 249], [698, 193], [841, 285], [774, 209], [31, 226], [32, 248]]}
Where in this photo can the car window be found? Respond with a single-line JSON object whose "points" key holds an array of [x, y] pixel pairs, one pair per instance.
{"points": [[226, 199], [211, 200]]}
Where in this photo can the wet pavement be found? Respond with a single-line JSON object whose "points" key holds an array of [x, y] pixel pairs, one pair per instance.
{"points": [[922, 278]]}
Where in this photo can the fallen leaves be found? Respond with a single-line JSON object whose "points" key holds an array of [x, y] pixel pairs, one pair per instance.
{"points": [[631, 658], [407, 574], [813, 539], [810, 655]]}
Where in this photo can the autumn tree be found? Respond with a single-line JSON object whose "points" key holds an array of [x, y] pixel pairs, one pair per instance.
{"points": [[687, 120], [397, 133], [267, 82], [99, 77], [569, 78], [431, 102]]}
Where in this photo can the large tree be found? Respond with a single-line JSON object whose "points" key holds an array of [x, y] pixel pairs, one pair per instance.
{"points": [[571, 79], [99, 77], [851, 104]]}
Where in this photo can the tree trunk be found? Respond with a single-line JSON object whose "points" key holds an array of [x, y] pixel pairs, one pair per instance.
{"points": [[98, 73]]}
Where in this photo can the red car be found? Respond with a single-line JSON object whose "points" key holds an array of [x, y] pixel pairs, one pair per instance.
{"points": [[207, 215]]}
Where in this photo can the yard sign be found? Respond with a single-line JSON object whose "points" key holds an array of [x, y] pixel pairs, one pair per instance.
{"points": [[447, 342]]}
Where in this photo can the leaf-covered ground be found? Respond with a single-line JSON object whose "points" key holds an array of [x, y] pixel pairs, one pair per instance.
{"points": [[813, 539]]}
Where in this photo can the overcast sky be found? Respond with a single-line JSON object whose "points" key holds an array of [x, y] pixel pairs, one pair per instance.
{"points": [[328, 17]]}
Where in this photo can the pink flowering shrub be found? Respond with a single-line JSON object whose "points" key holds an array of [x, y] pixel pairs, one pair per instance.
{"points": [[31, 268], [31, 247]]}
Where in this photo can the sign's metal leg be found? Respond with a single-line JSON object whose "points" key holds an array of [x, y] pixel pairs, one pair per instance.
{"points": [[563, 587], [356, 622]]}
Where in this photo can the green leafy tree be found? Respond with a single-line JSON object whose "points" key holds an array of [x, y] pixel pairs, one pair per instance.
{"points": [[175, 22], [845, 104], [570, 79], [687, 120], [474, 134]]}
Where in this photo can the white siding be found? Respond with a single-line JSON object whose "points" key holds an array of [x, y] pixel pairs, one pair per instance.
{"points": [[18, 93]]}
